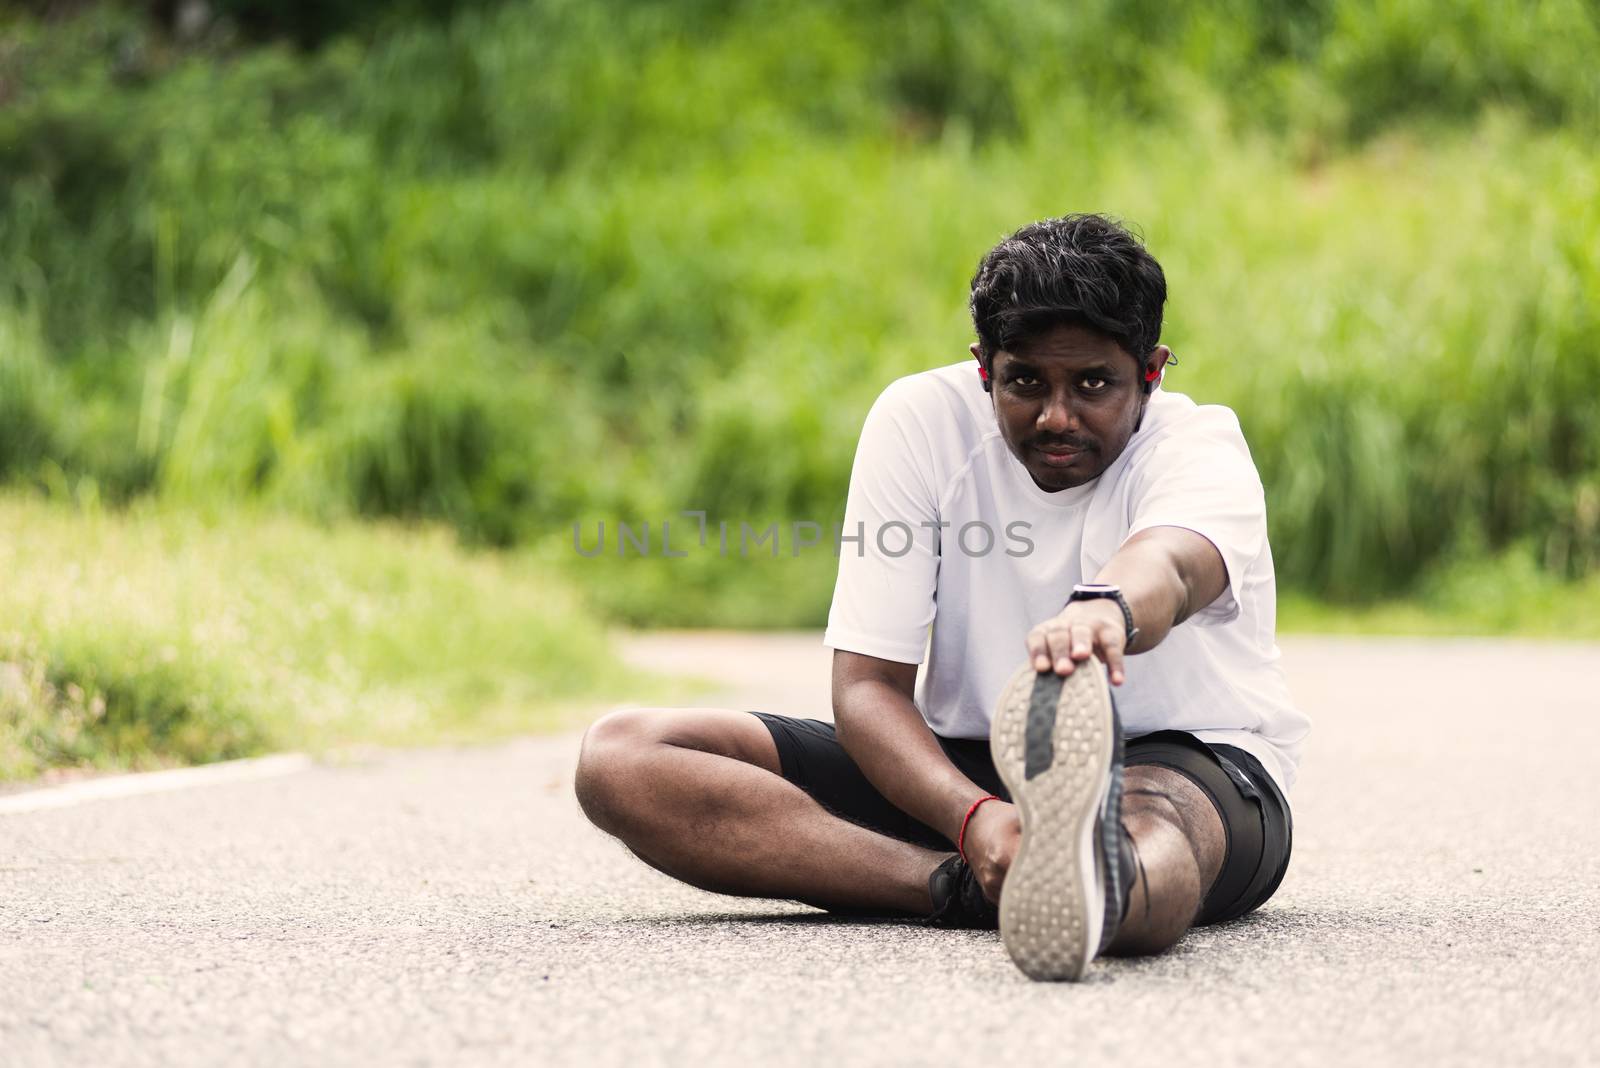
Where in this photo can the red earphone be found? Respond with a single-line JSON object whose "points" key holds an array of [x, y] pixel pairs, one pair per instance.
{"points": [[1154, 373]]}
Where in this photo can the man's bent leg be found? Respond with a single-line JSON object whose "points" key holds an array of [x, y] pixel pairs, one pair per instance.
{"points": [[1179, 844], [699, 794]]}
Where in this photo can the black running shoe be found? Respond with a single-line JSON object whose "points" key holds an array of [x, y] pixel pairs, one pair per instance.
{"points": [[1057, 743], [958, 900]]}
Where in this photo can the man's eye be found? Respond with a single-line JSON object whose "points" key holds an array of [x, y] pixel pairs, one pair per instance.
{"points": [[1025, 381], [1094, 385]]}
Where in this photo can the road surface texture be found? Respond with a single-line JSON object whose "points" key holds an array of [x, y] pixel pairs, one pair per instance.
{"points": [[453, 907]]}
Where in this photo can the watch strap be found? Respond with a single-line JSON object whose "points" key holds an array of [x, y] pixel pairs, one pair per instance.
{"points": [[1108, 593]]}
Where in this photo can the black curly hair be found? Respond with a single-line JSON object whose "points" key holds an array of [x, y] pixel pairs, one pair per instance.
{"points": [[1085, 270]]}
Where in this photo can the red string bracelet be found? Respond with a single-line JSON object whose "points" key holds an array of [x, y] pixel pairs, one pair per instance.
{"points": [[961, 839]]}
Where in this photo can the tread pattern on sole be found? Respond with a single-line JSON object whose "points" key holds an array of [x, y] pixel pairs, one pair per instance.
{"points": [[1038, 737], [1050, 909]]}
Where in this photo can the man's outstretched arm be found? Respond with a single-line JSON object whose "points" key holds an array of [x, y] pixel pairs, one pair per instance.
{"points": [[1167, 574]]}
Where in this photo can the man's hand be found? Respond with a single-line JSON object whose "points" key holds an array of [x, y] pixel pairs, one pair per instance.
{"points": [[993, 833], [1083, 629]]}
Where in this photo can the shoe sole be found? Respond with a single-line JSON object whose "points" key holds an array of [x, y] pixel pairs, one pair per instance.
{"points": [[1052, 742]]}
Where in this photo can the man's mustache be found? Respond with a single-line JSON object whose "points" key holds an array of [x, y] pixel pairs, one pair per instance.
{"points": [[1063, 443]]}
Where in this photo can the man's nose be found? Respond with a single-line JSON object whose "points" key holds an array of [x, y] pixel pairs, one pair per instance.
{"points": [[1057, 416]]}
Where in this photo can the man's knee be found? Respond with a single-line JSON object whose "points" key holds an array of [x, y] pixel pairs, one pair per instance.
{"points": [[1167, 882], [610, 760], [1158, 820], [621, 750], [1151, 811], [1162, 802]]}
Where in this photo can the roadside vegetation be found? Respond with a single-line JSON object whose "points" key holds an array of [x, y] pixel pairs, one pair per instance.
{"points": [[537, 264], [142, 638]]}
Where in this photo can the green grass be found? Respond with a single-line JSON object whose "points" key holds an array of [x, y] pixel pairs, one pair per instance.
{"points": [[1509, 596], [134, 640], [1408, 334], [545, 262]]}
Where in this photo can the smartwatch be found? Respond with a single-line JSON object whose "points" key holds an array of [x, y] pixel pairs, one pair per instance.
{"points": [[1094, 591]]}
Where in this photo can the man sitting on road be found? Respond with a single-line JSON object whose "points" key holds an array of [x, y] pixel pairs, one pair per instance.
{"points": [[1054, 501]]}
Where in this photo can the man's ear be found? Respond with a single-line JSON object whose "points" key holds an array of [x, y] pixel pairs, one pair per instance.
{"points": [[1154, 365], [983, 372]]}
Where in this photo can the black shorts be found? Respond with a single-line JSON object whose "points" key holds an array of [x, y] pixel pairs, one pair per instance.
{"points": [[1254, 813]]}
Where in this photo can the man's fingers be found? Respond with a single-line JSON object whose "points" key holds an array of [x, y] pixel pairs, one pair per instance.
{"points": [[1111, 649], [1057, 647], [1061, 648], [1038, 649], [1069, 645], [991, 889]]}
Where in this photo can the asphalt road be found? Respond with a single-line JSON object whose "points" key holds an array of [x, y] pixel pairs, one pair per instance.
{"points": [[453, 907]]}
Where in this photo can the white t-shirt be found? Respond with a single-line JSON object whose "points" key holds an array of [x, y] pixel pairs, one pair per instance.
{"points": [[954, 533]]}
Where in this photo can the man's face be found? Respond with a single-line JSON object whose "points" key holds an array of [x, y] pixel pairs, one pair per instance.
{"points": [[1068, 403]]}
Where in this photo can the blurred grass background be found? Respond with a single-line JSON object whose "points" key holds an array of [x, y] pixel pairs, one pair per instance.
{"points": [[351, 289], [153, 635]]}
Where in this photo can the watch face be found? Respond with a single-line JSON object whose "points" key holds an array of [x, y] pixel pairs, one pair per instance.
{"points": [[1090, 591]]}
